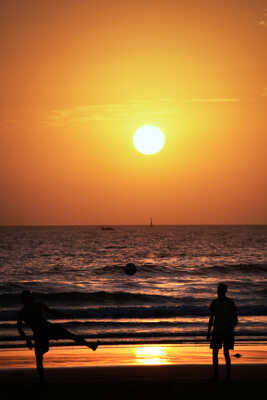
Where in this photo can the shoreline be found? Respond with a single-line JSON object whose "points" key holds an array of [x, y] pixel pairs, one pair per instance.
{"points": [[131, 355]]}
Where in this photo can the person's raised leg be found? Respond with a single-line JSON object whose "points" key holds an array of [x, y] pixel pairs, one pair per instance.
{"points": [[78, 339], [81, 341]]}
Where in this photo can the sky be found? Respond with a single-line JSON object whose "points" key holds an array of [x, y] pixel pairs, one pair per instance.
{"points": [[79, 77]]}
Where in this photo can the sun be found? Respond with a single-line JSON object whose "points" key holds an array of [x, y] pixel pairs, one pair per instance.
{"points": [[148, 139]]}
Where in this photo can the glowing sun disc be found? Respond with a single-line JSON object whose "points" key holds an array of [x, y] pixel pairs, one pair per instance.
{"points": [[148, 139]]}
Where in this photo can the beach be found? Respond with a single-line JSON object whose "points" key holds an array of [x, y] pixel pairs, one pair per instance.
{"points": [[132, 372]]}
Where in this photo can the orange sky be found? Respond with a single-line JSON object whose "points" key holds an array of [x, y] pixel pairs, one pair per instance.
{"points": [[79, 77]]}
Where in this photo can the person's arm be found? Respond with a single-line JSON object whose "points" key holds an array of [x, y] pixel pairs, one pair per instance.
{"points": [[235, 316], [211, 321], [21, 331]]}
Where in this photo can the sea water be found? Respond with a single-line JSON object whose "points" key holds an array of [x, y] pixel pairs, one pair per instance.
{"points": [[79, 270]]}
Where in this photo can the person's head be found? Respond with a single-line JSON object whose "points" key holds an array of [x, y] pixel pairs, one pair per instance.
{"points": [[26, 297], [221, 290]]}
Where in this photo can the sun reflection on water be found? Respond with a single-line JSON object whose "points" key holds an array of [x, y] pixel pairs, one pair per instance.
{"points": [[151, 355]]}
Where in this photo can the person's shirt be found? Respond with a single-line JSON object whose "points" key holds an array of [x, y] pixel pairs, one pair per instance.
{"points": [[34, 316], [225, 315]]}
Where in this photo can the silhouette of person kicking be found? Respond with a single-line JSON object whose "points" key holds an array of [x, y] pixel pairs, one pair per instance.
{"points": [[223, 319], [33, 315]]}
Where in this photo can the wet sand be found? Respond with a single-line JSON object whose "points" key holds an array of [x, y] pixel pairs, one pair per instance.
{"points": [[129, 372], [124, 355]]}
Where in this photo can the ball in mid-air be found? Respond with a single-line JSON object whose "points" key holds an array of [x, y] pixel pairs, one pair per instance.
{"points": [[130, 269]]}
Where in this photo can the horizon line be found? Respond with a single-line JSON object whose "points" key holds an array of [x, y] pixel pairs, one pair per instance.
{"points": [[148, 225]]}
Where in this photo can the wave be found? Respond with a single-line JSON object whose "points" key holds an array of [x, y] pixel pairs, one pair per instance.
{"points": [[97, 298], [141, 341], [148, 335], [152, 269], [155, 268], [122, 298], [142, 312], [136, 330], [234, 268], [100, 300]]}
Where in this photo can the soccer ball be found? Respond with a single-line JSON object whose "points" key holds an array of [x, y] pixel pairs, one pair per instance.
{"points": [[130, 269]]}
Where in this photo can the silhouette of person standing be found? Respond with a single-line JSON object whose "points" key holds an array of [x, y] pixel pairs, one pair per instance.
{"points": [[223, 319], [33, 315]]}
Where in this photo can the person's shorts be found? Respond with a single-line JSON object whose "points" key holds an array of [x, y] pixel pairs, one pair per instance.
{"points": [[51, 331], [219, 340]]}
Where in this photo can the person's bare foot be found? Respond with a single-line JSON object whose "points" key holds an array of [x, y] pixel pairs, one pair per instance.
{"points": [[94, 346]]}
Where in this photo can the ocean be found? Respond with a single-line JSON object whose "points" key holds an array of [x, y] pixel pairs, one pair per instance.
{"points": [[79, 270]]}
